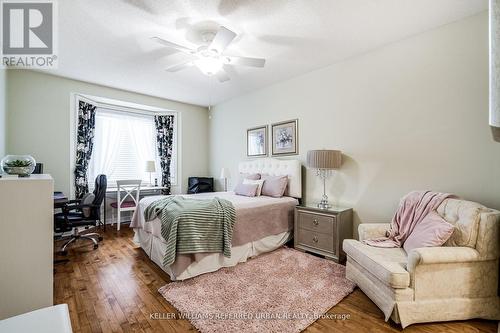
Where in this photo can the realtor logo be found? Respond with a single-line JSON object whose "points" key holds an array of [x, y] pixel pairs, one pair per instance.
{"points": [[28, 34]]}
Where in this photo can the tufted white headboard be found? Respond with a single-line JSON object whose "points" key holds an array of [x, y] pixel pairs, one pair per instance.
{"points": [[275, 167]]}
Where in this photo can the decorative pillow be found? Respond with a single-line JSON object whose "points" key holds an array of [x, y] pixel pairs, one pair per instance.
{"points": [[252, 176], [433, 230], [274, 186], [258, 182], [87, 199], [243, 176], [247, 190]]}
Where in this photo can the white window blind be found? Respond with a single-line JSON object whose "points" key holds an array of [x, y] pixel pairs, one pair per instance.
{"points": [[123, 142]]}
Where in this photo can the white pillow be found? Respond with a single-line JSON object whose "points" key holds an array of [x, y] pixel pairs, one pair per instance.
{"points": [[260, 183]]}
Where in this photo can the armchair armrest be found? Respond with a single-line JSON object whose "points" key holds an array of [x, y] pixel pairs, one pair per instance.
{"points": [[372, 230], [69, 202], [70, 205], [68, 208], [441, 255]]}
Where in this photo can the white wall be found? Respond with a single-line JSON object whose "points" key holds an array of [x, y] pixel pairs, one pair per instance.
{"points": [[39, 118], [410, 115], [3, 134]]}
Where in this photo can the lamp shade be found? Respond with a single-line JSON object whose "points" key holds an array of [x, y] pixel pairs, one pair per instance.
{"points": [[150, 166], [324, 159], [224, 173]]}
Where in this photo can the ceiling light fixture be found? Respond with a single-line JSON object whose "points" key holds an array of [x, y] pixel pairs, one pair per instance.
{"points": [[208, 65], [210, 58]]}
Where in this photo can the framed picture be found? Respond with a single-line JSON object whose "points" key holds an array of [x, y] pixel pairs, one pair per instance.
{"points": [[285, 138], [257, 141]]}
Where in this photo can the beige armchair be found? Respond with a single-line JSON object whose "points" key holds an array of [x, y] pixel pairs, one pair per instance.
{"points": [[457, 281]]}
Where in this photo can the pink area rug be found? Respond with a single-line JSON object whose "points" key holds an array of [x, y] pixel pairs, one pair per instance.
{"points": [[282, 291]]}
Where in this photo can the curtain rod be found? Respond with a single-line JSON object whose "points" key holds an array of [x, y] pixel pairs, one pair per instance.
{"points": [[125, 109]]}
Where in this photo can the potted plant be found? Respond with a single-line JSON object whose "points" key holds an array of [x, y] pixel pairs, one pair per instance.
{"points": [[21, 165]]}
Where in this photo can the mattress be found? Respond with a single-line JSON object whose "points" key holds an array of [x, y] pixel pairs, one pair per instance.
{"points": [[262, 225]]}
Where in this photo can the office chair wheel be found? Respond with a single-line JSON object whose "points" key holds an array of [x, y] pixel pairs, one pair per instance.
{"points": [[96, 246], [63, 253], [100, 238]]}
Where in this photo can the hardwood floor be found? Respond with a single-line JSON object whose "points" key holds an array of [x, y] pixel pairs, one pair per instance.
{"points": [[114, 289]]}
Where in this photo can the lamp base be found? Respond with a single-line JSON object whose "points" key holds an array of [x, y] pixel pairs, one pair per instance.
{"points": [[323, 204]]}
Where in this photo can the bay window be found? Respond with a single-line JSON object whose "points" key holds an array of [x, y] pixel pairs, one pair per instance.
{"points": [[123, 142]]}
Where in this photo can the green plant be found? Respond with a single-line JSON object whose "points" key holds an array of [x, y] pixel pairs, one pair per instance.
{"points": [[18, 164]]}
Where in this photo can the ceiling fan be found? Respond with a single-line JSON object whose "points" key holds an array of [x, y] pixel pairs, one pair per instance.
{"points": [[209, 58]]}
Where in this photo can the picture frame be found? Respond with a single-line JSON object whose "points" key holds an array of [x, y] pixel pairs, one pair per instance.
{"points": [[257, 141], [285, 138]]}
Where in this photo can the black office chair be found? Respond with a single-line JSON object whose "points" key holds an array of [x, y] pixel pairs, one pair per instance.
{"points": [[38, 169], [200, 185], [76, 214]]}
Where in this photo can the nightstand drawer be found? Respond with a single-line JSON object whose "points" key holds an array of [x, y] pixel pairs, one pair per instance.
{"points": [[315, 239], [318, 223]]}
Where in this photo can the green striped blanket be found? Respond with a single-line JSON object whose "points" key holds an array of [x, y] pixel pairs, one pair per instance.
{"points": [[193, 225]]}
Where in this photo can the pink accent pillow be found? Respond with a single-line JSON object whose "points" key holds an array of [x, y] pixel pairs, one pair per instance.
{"points": [[243, 176], [247, 190], [433, 230], [252, 176], [274, 186]]}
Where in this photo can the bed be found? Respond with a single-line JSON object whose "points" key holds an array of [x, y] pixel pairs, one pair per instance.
{"points": [[263, 223]]}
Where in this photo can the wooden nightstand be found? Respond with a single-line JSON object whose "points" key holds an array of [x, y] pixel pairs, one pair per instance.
{"points": [[322, 231]]}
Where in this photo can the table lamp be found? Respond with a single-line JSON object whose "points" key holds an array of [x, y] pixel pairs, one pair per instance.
{"points": [[225, 174], [324, 161], [151, 168]]}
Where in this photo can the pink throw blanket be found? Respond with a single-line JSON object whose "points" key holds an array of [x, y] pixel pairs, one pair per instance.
{"points": [[413, 208]]}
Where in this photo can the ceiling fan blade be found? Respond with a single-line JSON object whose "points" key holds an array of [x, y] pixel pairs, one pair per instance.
{"points": [[222, 76], [222, 39], [245, 61], [173, 45], [179, 67]]}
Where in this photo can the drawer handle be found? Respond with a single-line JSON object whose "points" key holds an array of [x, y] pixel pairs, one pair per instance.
{"points": [[315, 239], [315, 222]]}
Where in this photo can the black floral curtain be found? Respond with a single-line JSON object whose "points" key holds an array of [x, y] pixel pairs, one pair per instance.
{"points": [[164, 138], [84, 145]]}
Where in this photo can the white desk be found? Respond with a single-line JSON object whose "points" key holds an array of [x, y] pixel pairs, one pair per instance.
{"points": [[143, 188]]}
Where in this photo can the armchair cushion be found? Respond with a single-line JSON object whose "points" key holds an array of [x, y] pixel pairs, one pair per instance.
{"points": [[387, 264], [372, 230]]}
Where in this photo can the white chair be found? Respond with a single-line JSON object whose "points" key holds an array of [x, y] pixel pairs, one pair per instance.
{"points": [[127, 187]]}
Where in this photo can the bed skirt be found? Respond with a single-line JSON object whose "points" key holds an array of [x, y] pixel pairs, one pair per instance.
{"points": [[155, 249]]}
